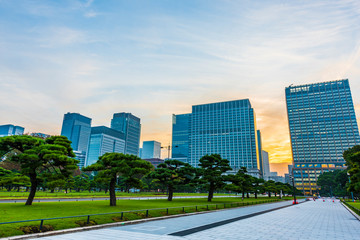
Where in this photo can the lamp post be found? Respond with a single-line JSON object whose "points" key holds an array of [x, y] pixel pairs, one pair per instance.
{"points": [[352, 194], [293, 182]]}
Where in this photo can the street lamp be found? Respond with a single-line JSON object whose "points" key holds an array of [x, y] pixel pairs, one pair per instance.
{"points": [[352, 194], [293, 182]]}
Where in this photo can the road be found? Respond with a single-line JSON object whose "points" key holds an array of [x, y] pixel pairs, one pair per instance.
{"points": [[309, 220]]}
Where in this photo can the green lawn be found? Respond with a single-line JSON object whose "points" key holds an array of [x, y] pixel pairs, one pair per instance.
{"points": [[86, 194], [354, 204], [18, 211]]}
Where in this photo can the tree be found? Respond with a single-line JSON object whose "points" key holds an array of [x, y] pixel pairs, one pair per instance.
{"points": [[40, 159], [112, 165], [173, 173], [270, 187], [257, 185], [352, 158], [240, 182], [213, 167], [333, 183]]}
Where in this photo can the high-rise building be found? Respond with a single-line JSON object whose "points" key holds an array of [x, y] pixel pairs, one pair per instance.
{"points": [[131, 127], [259, 143], [104, 140], [77, 129], [322, 125], [266, 164], [151, 149], [180, 137], [225, 128], [9, 130]]}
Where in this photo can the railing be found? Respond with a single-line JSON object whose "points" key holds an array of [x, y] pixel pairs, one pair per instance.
{"points": [[146, 211], [355, 209]]}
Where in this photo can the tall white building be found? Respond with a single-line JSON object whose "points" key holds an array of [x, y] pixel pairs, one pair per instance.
{"points": [[265, 164]]}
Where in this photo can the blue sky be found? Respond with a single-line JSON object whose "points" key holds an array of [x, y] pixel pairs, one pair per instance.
{"points": [[155, 58]]}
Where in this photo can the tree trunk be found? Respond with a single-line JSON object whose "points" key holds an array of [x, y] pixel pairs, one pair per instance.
{"points": [[255, 194], [52, 190], [275, 194], [269, 194], [211, 192], [32, 189], [171, 193], [247, 195], [243, 195], [112, 191]]}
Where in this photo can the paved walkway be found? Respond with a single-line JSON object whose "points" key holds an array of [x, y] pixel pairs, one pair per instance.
{"points": [[310, 220]]}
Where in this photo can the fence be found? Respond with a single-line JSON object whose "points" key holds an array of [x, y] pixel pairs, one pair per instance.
{"points": [[146, 212]]}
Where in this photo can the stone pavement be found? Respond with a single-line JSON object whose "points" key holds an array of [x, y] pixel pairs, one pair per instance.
{"points": [[310, 220]]}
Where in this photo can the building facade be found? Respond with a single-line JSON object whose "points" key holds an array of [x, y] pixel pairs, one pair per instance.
{"points": [[180, 137], [131, 127], [265, 164], [151, 149], [322, 125], [9, 130], [77, 128], [225, 128], [104, 140]]}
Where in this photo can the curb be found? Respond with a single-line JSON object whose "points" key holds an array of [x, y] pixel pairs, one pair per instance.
{"points": [[106, 225], [351, 211]]}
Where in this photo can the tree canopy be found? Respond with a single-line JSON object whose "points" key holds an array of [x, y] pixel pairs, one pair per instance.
{"points": [[39, 159], [213, 167], [352, 158], [173, 173], [112, 165]]}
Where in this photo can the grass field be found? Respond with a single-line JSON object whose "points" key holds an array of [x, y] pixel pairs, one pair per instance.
{"points": [[86, 194], [16, 212]]}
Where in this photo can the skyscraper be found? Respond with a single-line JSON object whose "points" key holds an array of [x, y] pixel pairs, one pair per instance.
{"points": [[151, 149], [104, 140], [77, 129], [259, 143], [225, 128], [265, 164], [322, 125], [131, 127], [9, 130], [180, 137]]}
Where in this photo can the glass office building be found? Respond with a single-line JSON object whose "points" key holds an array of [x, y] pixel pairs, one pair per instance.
{"points": [[9, 130], [322, 125], [104, 140], [225, 128], [131, 127], [180, 137], [151, 149], [77, 129]]}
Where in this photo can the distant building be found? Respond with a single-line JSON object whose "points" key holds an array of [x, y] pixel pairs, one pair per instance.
{"points": [[287, 179], [40, 135], [225, 128], [104, 140], [77, 129], [9, 130], [151, 149], [155, 161], [180, 137], [322, 126], [130, 126], [274, 176], [266, 164]]}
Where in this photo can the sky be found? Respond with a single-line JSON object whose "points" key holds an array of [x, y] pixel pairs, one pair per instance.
{"points": [[156, 58]]}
